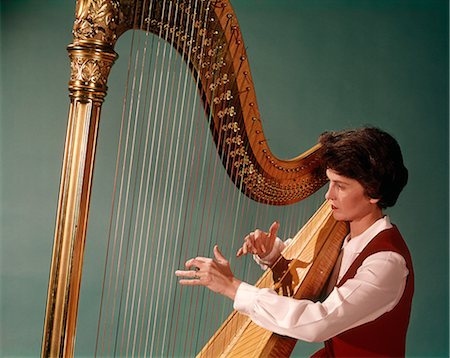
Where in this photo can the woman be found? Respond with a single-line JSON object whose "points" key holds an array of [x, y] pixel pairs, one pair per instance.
{"points": [[367, 310]]}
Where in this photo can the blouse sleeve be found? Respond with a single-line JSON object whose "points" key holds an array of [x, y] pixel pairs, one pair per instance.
{"points": [[376, 288]]}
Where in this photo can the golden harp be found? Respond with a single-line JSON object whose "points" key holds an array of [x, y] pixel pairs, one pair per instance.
{"points": [[206, 37]]}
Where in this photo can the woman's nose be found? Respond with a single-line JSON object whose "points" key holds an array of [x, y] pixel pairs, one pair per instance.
{"points": [[328, 194]]}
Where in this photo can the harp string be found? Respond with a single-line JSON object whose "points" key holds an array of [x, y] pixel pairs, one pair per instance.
{"points": [[208, 293], [172, 229], [115, 212], [105, 305], [138, 222], [161, 251], [150, 232], [185, 215], [206, 237], [119, 206], [202, 175], [209, 243], [131, 265], [141, 236], [203, 130], [197, 144], [136, 262]]}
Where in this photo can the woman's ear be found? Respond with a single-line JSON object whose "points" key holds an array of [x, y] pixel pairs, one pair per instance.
{"points": [[374, 201]]}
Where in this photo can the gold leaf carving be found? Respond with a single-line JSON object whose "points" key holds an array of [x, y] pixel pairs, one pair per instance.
{"points": [[90, 71], [97, 20]]}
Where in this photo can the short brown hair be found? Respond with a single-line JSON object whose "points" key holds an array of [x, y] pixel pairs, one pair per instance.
{"points": [[369, 155]]}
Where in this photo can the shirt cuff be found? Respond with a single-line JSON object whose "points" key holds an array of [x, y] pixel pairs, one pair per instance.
{"points": [[245, 297], [268, 260]]}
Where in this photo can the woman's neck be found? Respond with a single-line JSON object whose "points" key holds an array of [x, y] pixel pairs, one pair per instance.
{"points": [[357, 227]]}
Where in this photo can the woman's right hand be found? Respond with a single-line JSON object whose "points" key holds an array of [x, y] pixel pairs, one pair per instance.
{"points": [[259, 242]]}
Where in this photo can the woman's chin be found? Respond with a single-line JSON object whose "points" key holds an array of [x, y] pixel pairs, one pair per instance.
{"points": [[339, 217]]}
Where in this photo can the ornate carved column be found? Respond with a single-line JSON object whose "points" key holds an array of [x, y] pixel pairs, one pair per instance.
{"points": [[92, 55]]}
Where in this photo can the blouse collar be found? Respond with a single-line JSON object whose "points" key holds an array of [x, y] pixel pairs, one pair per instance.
{"points": [[359, 242]]}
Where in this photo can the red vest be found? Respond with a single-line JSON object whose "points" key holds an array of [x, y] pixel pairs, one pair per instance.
{"points": [[386, 335]]}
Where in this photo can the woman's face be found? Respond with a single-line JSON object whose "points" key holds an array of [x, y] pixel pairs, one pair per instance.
{"points": [[348, 198]]}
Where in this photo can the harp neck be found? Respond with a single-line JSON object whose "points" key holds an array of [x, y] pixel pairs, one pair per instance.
{"points": [[208, 37]]}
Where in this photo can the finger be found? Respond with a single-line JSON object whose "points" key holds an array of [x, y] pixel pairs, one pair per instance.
{"points": [[258, 244], [274, 229], [249, 239], [240, 252], [258, 234], [243, 250], [249, 247], [195, 282], [189, 274], [263, 248], [218, 255], [255, 250], [195, 262], [270, 238]]}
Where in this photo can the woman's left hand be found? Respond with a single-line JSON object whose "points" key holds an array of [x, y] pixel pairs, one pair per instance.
{"points": [[214, 274]]}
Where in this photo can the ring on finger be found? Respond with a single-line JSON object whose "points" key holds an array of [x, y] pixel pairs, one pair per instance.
{"points": [[196, 276]]}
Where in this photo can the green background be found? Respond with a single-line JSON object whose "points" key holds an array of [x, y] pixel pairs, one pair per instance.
{"points": [[317, 65]]}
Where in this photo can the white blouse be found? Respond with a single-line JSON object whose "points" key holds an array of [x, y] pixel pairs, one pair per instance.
{"points": [[376, 288]]}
